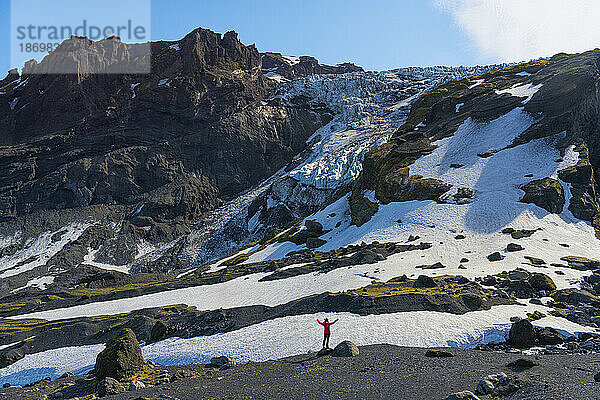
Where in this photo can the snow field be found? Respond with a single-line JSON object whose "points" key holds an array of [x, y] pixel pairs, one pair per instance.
{"points": [[300, 334]]}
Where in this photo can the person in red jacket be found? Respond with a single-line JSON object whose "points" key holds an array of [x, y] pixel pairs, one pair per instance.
{"points": [[326, 331]]}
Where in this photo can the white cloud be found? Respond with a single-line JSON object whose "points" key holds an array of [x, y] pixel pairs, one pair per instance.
{"points": [[515, 30]]}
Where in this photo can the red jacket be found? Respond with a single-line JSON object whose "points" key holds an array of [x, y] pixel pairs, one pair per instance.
{"points": [[326, 325]]}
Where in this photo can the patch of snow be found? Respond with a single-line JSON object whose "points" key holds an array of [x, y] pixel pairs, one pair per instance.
{"points": [[458, 106], [175, 46], [526, 90], [133, 86], [370, 195], [164, 82], [51, 363], [37, 251], [477, 83], [90, 257], [524, 73], [13, 103], [22, 83], [276, 77], [291, 60], [253, 222], [41, 283], [242, 291]]}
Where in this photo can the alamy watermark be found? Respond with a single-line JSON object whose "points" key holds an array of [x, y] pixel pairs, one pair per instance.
{"points": [[39, 28]]}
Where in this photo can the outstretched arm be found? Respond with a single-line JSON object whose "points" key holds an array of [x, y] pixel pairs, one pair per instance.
{"points": [[320, 323], [334, 322]]}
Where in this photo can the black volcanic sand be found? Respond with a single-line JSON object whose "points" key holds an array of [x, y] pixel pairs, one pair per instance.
{"points": [[379, 372]]}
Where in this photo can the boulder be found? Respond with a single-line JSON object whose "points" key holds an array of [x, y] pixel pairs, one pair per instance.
{"points": [[549, 336], [314, 226], [521, 364], [345, 349], [222, 362], [522, 334], [159, 331], [581, 263], [121, 359], [424, 281], [514, 247], [488, 384], [576, 297], [597, 377], [542, 282], [466, 395], [11, 356], [520, 233], [495, 257], [109, 386], [546, 193], [535, 261]]}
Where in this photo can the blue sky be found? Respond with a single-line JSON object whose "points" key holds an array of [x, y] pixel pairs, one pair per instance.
{"points": [[377, 34]]}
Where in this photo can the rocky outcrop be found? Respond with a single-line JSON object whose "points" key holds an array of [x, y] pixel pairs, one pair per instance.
{"points": [[546, 193], [121, 359], [296, 67], [169, 139]]}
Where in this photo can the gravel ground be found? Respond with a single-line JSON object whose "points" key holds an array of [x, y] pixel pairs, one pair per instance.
{"points": [[379, 372]]}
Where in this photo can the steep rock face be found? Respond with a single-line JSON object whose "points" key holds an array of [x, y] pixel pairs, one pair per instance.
{"points": [[546, 193], [95, 138]]}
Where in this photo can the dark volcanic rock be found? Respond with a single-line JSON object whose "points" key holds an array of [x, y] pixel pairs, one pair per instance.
{"points": [[109, 386], [581, 263], [522, 334], [438, 354], [128, 139], [302, 66], [345, 349], [159, 331], [514, 247], [314, 226], [465, 395], [542, 282], [222, 362], [535, 261], [549, 336], [425, 281], [313, 242], [121, 359], [576, 297], [546, 193], [521, 364], [324, 352], [495, 257]]}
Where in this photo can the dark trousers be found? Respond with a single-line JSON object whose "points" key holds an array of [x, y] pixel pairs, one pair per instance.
{"points": [[326, 340]]}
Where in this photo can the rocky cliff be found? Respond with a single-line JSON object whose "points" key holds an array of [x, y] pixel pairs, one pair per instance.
{"points": [[170, 139]]}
